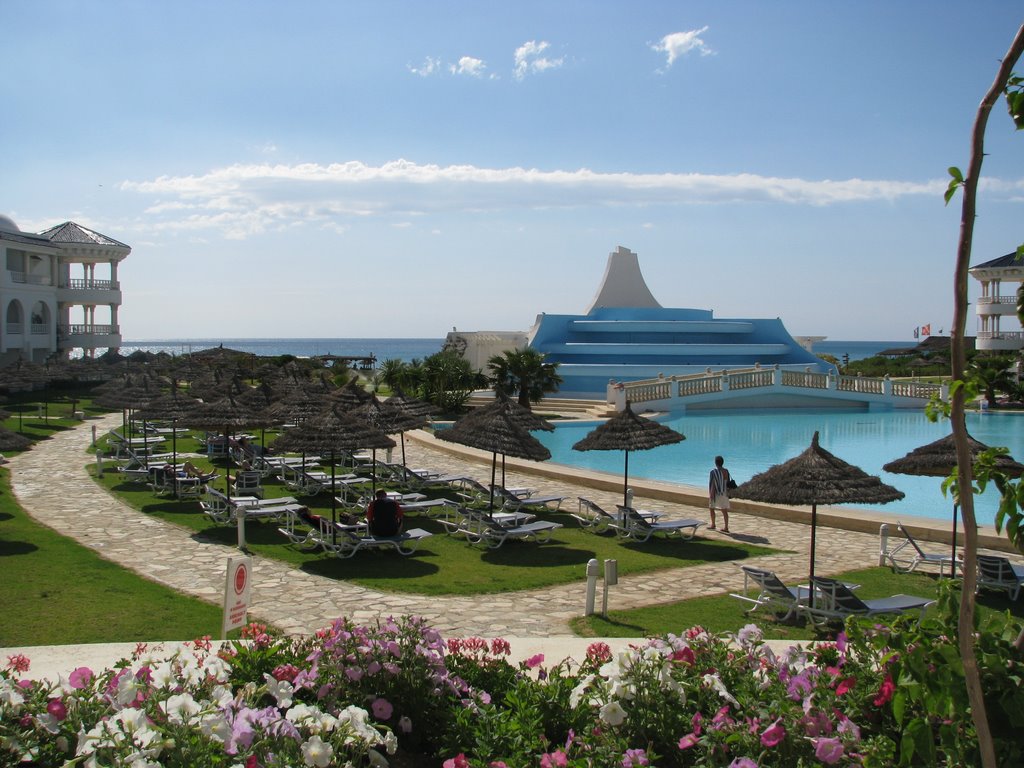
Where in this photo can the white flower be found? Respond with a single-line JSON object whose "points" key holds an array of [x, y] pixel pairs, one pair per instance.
{"points": [[164, 676], [281, 690], [390, 742], [180, 708], [10, 696], [579, 690], [218, 669], [613, 713], [749, 635], [143, 762], [221, 696], [315, 752], [623, 688], [215, 726], [128, 687], [714, 681]]}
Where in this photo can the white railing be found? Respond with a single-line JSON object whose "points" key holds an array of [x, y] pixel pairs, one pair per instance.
{"points": [[82, 329], [27, 279], [15, 329], [1000, 334], [717, 384], [997, 300], [40, 329], [80, 284]]}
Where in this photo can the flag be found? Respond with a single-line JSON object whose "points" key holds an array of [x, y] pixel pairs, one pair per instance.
{"points": [[926, 330], [917, 333]]}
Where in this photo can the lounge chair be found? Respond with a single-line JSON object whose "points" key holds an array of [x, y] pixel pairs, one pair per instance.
{"points": [[483, 528], [512, 501], [347, 543], [908, 555], [638, 528], [594, 518], [834, 601], [464, 521], [996, 572], [247, 483], [310, 531], [221, 509], [772, 592]]}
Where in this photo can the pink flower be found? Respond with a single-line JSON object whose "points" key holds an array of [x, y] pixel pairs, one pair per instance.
{"points": [[556, 759], [497, 764], [845, 686], [500, 647], [285, 672], [19, 662], [689, 740], [685, 655], [885, 692], [633, 758], [742, 762], [80, 677], [454, 645], [459, 761], [829, 750], [56, 708], [534, 661], [773, 734], [382, 709], [599, 653]]}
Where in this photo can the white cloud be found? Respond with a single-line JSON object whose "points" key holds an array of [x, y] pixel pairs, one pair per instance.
{"points": [[240, 201], [678, 44], [468, 66], [529, 59], [430, 66]]}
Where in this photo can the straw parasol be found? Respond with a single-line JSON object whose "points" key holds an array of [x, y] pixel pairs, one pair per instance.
{"points": [[816, 477], [495, 431], [416, 414], [626, 431], [332, 431], [173, 407], [519, 414], [938, 459], [227, 413]]}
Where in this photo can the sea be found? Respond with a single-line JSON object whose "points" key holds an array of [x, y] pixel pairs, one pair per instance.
{"points": [[408, 350]]}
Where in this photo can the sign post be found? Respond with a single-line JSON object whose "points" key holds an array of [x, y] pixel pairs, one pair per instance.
{"points": [[236, 594]]}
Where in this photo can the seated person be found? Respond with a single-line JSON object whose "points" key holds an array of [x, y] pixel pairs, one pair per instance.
{"points": [[191, 470], [384, 515]]}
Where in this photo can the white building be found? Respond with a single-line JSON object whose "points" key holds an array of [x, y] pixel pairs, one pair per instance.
{"points": [[999, 328], [50, 292]]}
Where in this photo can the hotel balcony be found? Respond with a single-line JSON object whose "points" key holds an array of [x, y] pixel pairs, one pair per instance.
{"points": [[88, 336], [1000, 341], [79, 291]]}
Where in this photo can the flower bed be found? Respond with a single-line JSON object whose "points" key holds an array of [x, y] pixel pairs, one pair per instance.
{"points": [[398, 694]]}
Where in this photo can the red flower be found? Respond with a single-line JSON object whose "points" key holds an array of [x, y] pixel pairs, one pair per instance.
{"points": [[845, 686], [885, 692]]}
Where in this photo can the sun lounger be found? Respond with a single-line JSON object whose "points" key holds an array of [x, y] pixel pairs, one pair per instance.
{"points": [[483, 528], [638, 528], [908, 555], [594, 518], [347, 543], [512, 501], [772, 593], [996, 572], [309, 531], [834, 601]]}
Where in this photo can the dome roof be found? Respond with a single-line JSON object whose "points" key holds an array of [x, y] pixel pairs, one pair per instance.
{"points": [[7, 224]]}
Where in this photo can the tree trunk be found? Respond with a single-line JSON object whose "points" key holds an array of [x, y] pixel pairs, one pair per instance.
{"points": [[963, 452]]}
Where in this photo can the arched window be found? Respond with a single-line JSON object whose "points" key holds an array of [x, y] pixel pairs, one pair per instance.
{"points": [[14, 317], [40, 318]]}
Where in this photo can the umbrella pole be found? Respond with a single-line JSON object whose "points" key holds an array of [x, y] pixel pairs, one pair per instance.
{"points": [[174, 452], [334, 504], [814, 536], [402, 434], [494, 469], [373, 471], [625, 483]]}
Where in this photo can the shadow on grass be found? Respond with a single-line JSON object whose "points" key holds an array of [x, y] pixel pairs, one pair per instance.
{"points": [[6, 516], [529, 554], [8, 548], [747, 538], [693, 552], [366, 565]]}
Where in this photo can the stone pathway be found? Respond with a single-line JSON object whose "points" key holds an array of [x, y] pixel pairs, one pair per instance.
{"points": [[52, 485]]}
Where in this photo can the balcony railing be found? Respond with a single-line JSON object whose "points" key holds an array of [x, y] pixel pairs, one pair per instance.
{"points": [[81, 329], [15, 329], [40, 329], [27, 279], [1009, 335], [79, 284], [997, 299]]}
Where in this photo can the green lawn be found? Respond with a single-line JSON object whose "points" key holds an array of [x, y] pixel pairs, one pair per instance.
{"points": [[443, 565], [55, 591], [722, 613]]}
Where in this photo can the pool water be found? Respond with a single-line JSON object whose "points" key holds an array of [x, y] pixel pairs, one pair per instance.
{"points": [[754, 440]]}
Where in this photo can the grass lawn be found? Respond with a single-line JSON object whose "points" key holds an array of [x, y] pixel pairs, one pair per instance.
{"points": [[443, 565], [55, 591], [726, 614]]}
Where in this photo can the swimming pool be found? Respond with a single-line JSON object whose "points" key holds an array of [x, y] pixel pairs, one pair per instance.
{"points": [[752, 441]]}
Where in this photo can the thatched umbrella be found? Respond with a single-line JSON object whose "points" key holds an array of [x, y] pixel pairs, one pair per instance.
{"points": [[351, 396], [495, 431], [520, 415], [626, 431], [816, 477], [12, 441], [230, 414], [938, 459], [128, 396], [416, 414], [332, 431], [174, 406]]}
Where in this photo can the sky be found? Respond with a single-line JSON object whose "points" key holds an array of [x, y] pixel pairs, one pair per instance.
{"points": [[399, 169]]}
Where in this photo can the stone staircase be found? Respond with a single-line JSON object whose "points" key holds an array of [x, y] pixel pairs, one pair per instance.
{"points": [[569, 408]]}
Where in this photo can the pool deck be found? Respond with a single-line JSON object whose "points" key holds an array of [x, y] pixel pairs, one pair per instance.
{"points": [[51, 483]]}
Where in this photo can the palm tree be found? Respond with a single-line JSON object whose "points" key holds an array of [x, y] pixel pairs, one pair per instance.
{"points": [[392, 374], [991, 374], [523, 372], [448, 380]]}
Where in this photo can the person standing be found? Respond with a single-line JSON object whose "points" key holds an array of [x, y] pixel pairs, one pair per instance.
{"points": [[718, 493]]}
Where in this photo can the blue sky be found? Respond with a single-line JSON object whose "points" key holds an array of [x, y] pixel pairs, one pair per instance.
{"points": [[360, 169]]}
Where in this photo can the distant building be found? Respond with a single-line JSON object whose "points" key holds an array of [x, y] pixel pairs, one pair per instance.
{"points": [[50, 292], [627, 335], [999, 328]]}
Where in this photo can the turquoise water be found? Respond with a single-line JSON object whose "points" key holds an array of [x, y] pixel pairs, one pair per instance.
{"points": [[752, 441]]}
